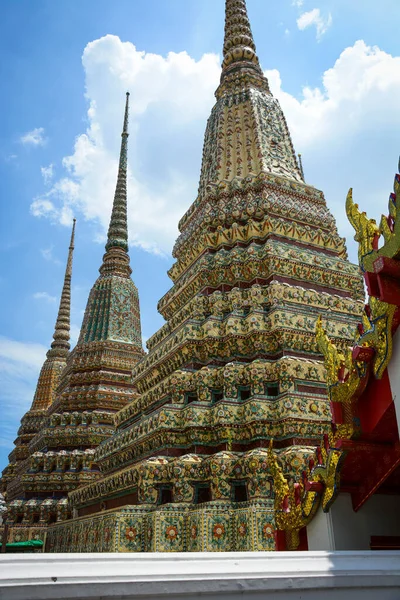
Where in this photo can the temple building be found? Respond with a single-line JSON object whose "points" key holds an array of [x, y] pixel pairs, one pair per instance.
{"points": [[78, 392], [224, 436], [236, 365]]}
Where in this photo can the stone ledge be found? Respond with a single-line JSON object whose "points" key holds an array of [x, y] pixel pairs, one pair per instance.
{"points": [[294, 575]]}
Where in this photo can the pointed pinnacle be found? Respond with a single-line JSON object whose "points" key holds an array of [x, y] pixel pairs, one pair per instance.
{"points": [[301, 167], [240, 65], [60, 345], [71, 249], [116, 259], [126, 116], [239, 46]]}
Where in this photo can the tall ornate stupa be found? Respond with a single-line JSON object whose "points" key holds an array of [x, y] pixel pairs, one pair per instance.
{"points": [[49, 378], [78, 393], [34, 420], [231, 395]]}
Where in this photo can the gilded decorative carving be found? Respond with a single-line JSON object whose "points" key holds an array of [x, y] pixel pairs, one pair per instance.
{"points": [[296, 503], [367, 232]]}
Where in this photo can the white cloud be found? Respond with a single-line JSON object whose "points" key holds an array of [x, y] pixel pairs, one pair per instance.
{"points": [[45, 296], [41, 207], [351, 120], [34, 137], [314, 17], [347, 129], [298, 3], [47, 174], [356, 95], [171, 98], [47, 254], [28, 354]]}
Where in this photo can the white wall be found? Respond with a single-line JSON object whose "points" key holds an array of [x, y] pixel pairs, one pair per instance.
{"points": [[344, 529], [209, 575], [394, 375], [320, 534]]}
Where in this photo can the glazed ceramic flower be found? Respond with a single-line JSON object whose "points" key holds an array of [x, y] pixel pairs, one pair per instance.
{"points": [[171, 532], [267, 530], [130, 533], [218, 530]]}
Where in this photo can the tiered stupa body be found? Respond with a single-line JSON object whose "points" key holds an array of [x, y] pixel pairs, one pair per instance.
{"points": [[236, 364], [95, 383]]}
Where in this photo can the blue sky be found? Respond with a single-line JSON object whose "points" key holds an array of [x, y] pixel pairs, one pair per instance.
{"points": [[334, 64]]}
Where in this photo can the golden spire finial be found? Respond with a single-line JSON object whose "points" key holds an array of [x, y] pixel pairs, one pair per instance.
{"points": [[60, 345]]}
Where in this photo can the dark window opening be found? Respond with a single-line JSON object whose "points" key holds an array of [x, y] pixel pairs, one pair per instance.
{"points": [[191, 397], [311, 389], [203, 494], [165, 495], [272, 389], [217, 395], [153, 407], [53, 518], [226, 314], [240, 492], [385, 542], [245, 393], [35, 518], [246, 310], [19, 518]]}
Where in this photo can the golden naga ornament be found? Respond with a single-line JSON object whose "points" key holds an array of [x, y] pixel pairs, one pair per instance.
{"points": [[297, 503], [377, 334], [367, 231], [375, 340], [344, 377]]}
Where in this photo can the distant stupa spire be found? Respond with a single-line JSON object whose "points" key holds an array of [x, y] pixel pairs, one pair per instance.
{"points": [[60, 345], [116, 258]]}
